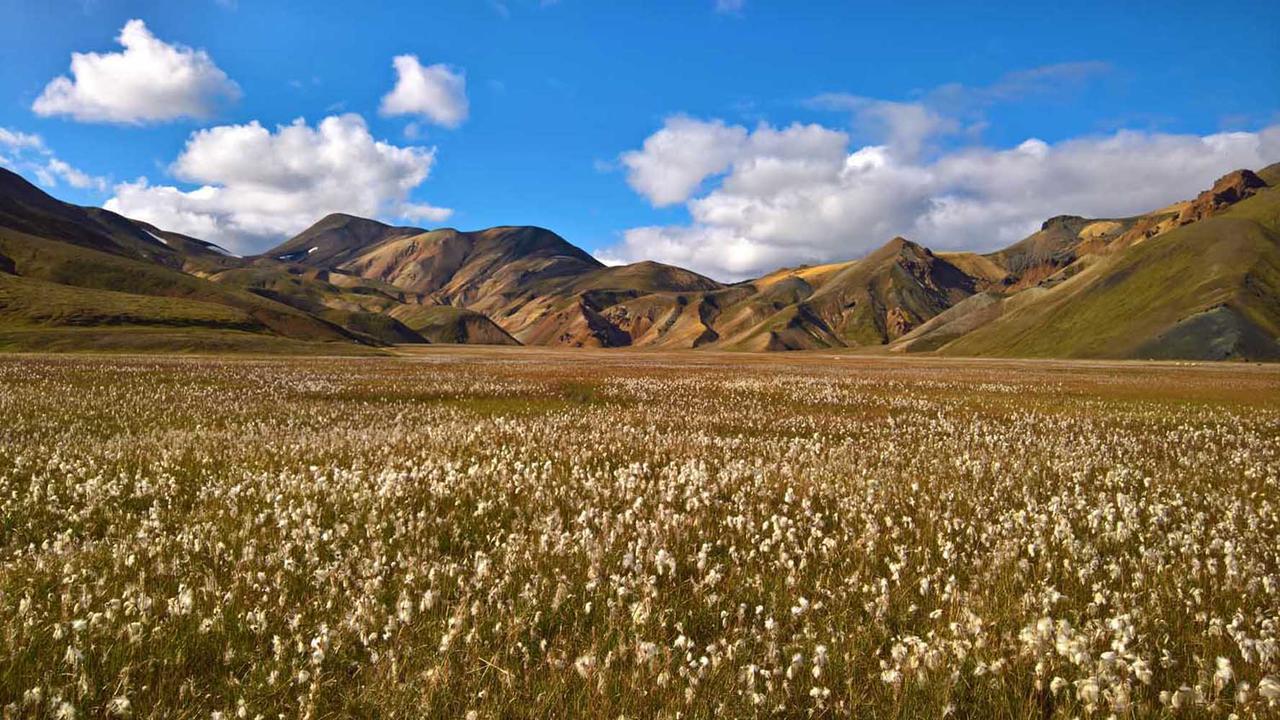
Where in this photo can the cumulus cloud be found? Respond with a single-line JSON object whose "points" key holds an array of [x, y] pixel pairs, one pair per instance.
{"points": [[150, 81], [768, 197], [675, 160], [27, 152], [437, 92], [257, 186]]}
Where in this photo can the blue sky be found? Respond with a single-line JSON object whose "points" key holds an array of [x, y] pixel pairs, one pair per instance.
{"points": [[557, 93]]}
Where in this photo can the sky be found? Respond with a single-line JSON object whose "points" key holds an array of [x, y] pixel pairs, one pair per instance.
{"points": [[732, 137]]}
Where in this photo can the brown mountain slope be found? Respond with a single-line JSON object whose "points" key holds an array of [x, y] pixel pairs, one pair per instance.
{"points": [[464, 268], [26, 209], [336, 238], [516, 276], [1198, 278], [606, 306], [854, 304], [891, 291], [857, 303]]}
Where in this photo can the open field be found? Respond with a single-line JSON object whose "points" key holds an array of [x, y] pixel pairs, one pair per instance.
{"points": [[538, 533]]}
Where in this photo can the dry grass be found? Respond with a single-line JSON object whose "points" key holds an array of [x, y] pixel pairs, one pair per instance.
{"points": [[530, 533]]}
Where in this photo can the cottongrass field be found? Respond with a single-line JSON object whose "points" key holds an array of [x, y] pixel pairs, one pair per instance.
{"points": [[485, 534]]}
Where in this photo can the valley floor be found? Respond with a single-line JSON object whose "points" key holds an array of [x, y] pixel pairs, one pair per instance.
{"points": [[525, 532]]}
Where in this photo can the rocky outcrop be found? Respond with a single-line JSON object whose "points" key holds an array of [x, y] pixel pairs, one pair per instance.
{"points": [[1227, 191]]}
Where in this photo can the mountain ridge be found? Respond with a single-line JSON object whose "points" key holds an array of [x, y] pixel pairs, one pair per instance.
{"points": [[1077, 287]]}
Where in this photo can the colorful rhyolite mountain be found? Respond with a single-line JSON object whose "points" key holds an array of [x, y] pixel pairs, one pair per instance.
{"points": [[1199, 279]]}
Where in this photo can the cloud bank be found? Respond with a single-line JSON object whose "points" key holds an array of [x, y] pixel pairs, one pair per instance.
{"points": [[257, 186], [768, 197], [149, 81]]}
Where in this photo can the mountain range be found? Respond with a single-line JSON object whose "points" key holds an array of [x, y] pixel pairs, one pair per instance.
{"points": [[1199, 279]]}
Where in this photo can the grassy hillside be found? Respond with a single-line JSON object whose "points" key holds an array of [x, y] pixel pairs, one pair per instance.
{"points": [[24, 208], [148, 339], [30, 302], [81, 267], [357, 305], [1145, 302]]}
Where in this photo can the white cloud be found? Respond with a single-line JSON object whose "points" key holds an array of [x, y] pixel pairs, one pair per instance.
{"points": [[906, 127], [257, 186], [27, 152], [55, 169], [149, 81], [675, 160], [18, 140], [730, 6], [419, 212], [436, 92], [803, 194]]}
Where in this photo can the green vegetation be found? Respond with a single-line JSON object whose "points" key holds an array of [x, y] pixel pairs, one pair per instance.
{"points": [[1120, 306], [161, 340], [25, 301], [80, 267]]}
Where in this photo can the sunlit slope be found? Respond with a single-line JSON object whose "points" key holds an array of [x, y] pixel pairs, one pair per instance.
{"points": [[1194, 279], [485, 267], [1207, 290], [863, 303], [642, 304]]}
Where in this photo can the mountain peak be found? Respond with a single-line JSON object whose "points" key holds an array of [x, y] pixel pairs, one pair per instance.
{"points": [[897, 247], [531, 241], [1227, 191], [1061, 221], [341, 217], [335, 237], [1237, 183], [346, 220]]}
